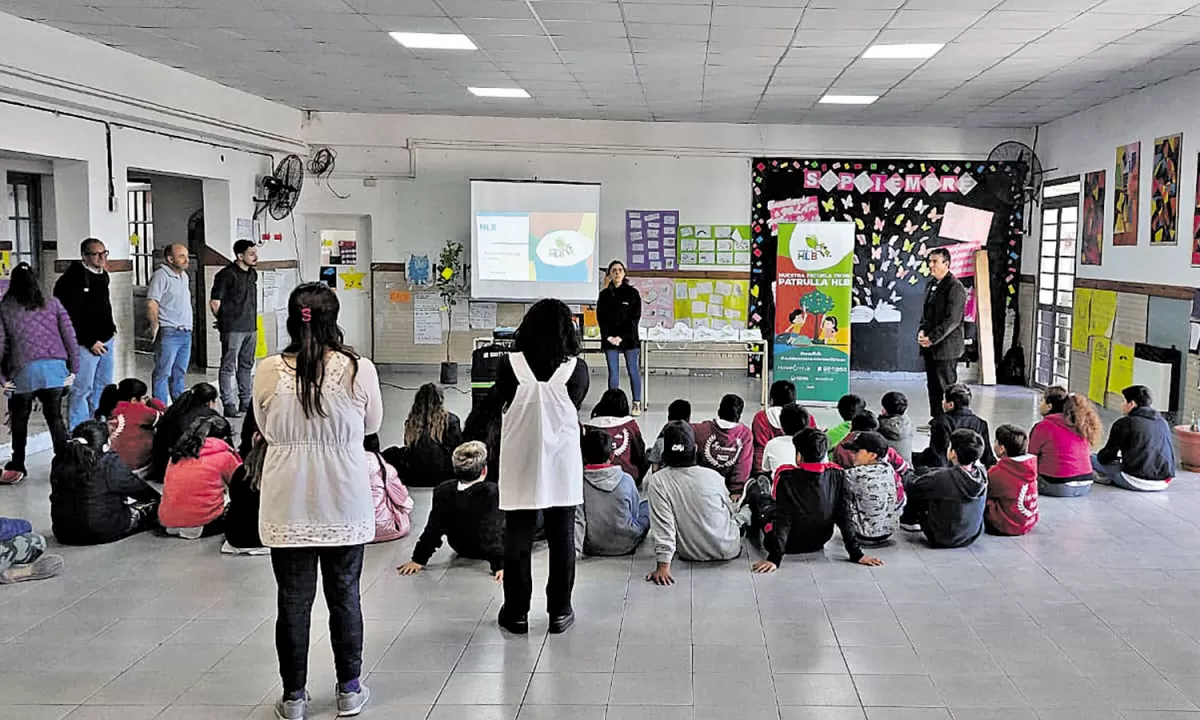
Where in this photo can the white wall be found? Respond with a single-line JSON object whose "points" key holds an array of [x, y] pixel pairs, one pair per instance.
{"points": [[423, 165], [1087, 141]]}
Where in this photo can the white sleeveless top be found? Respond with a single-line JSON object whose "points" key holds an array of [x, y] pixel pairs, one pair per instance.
{"points": [[541, 464]]}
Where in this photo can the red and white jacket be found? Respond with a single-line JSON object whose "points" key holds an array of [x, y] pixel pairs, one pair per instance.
{"points": [[629, 447], [1012, 496]]}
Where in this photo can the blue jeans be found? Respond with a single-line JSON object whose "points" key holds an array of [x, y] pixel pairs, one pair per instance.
{"points": [[172, 350], [632, 363], [95, 371], [1115, 475]]}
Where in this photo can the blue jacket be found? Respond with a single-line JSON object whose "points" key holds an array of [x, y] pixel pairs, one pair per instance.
{"points": [[1142, 441], [954, 498], [613, 518], [12, 527]]}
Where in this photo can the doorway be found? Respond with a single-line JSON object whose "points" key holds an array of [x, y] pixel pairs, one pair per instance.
{"points": [[336, 237], [1056, 282]]}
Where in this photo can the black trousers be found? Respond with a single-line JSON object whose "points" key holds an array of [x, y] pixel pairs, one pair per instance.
{"points": [[939, 375], [20, 407], [519, 529], [296, 575]]}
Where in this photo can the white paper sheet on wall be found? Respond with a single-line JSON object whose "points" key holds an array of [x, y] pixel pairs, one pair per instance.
{"points": [[483, 315], [427, 320]]}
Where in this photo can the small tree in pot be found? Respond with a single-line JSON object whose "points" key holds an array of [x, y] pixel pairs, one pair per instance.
{"points": [[451, 278]]}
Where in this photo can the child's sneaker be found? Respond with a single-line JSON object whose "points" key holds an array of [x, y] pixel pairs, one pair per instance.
{"points": [[47, 566], [910, 527], [292, 709], [352, 703]]}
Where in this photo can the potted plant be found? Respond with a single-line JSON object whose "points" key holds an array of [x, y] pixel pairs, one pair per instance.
{"points": [[451, 279]]}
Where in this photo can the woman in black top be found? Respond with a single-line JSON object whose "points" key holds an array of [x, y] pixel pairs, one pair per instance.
{"points": [[618, 311]]}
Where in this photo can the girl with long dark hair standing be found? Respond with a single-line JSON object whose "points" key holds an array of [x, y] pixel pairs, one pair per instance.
{"points": [[315, 403], [41, 357], [618, 311], [543, 382]]}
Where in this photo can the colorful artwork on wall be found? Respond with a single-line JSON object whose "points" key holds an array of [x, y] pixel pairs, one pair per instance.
{"points": [[1196, 227], [1125, 194], [1091, 235], [1164, 191], [650, 239]]}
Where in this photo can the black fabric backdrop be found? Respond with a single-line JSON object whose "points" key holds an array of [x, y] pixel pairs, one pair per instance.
{"points": [[895, 232]]}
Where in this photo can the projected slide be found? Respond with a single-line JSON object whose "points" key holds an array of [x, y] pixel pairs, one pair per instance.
{"points": [[533, 247], [531, 240]]}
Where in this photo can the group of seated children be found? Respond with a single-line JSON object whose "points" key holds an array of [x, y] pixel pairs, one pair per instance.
{"points": [[107, 483]]}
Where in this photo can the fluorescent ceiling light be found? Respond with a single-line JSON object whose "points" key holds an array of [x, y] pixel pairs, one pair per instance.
{"points": [[895, 52], [433, 41], [498, 92], [849, 99]]}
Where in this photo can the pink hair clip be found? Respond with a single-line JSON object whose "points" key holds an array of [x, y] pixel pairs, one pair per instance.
{"points": [[306, 314]]}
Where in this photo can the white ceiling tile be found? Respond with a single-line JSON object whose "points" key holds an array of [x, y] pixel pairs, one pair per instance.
{"points": [[587, 10], [653, 32], [576, 28], [667, 12], [1019, 20], [783, 17], [512, 9], [818, 19], [833, 38], [934, 19], [1137, 7]]}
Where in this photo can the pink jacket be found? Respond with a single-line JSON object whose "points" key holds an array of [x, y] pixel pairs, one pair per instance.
{"points": [[392, 502], [1061, 453]]}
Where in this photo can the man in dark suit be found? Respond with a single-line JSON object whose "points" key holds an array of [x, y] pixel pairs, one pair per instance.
{"points": [[941, 336]]}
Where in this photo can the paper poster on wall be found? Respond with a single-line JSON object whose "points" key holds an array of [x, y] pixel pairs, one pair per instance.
{"points": [[260, 341], [795, 210], [417, 270], [711, 304], [812, 320], [347, 251], [658, 301], [427, 319], [271, 281], [1098, 376], [483, 315], [1164, 191], [329, 276], [1120, 373], [650, 238], [1091, 232], [718, 247], [1103, 313], [1081, 319], [962, 258], [966, 224], [459, 320], [245, 229], [334, 241], [352, 279], [1125, 194]]}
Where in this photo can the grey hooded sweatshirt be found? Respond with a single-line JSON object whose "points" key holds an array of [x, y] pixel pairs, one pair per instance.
{"points": [[613, 518], [690, 511], [897, 430]]}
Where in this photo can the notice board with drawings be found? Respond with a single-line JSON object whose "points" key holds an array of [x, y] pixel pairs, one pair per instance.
{"points": [[714, 247], [711, 303]]}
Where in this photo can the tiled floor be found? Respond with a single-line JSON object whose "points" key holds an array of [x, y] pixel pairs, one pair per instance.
{"points": [[1093, 616]]}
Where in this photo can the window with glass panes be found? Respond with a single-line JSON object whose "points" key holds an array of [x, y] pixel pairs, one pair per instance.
{"points": [[1056, 283], [23, 217], [141, 227]]}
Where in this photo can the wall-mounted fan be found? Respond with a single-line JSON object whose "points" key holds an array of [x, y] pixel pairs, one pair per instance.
{"points": [[1020, 154], [280, 191]]}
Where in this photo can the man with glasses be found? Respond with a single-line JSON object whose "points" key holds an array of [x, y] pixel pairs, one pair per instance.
{"points": [[83, 291], [941, 336]]}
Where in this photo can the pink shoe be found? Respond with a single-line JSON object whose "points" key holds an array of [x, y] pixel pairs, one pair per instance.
{"points": [[11, 477]]}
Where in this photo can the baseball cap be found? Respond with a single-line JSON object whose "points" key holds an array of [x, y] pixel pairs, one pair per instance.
{"points": [[870, 441], [679, 444]]}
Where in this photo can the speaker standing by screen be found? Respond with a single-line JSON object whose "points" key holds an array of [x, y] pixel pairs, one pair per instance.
{"points": [[618, 311]]}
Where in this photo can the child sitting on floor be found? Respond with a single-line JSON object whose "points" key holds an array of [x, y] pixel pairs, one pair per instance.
{"points": [[199, 401], [690, 509], [613, 518], [431, 433], [957, 416], [726, 445], [948, 504], [483, 424], [193, 502], [1139, 454], [94, 497], [848, 406], [894, 424], [865, 421], [22, 553], [679, 409], [781, 450], [876, 497], [807, 500], [393, 505], [1012, 495], [612, 416], [768, 424], [1063, 441], [465, 511], [132, 416], [241, 514]]}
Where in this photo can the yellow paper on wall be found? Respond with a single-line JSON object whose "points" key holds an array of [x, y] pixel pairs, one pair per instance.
{"points": [[1098, 379], [1120, 374], [1103, 312], [260, 346], [1081, 320]]}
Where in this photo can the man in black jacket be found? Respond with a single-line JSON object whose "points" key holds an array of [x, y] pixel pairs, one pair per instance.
{"points": [[83, 291], [941, 335], [234, 303], [807, 501], [1139, 454]]}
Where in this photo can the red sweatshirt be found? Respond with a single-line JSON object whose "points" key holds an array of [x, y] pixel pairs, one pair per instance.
{"points": [[727, 448], [629, 448], [765, 427], [1012, 496], [131, 432], [194, 488]]}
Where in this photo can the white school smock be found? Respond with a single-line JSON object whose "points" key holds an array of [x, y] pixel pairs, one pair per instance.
{"points": [[541, 463]]}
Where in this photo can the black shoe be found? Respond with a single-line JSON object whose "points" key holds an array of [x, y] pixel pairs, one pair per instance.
{"points": [[562, 623], [516, 626], [232, 412], [244, 407]]}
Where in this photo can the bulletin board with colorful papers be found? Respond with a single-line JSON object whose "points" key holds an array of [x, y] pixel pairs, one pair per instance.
{"points": [[714, 247], [711, 303]]}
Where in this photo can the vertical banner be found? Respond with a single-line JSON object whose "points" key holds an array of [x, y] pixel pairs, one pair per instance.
{"points": [[1125, 194], [814, 274]]}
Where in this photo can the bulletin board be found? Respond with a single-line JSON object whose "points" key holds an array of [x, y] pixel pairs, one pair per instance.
{"points": [[714, 247], [711, 303]]}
